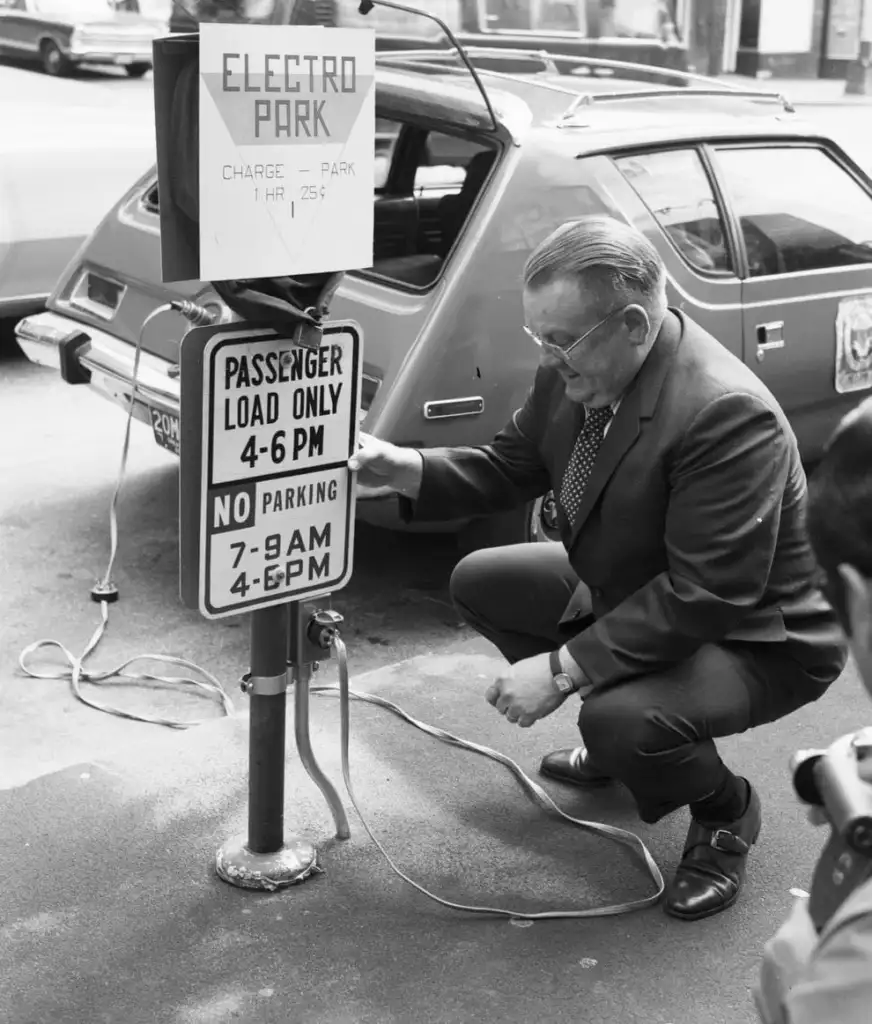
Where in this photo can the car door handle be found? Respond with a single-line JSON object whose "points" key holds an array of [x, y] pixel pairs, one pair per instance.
{"points": [[769, 336]]}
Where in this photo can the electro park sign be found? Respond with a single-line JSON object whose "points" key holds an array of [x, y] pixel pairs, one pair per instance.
{"points": [[266, 501], [287, 124]]}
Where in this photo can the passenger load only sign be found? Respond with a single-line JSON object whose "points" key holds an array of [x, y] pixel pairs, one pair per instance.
{"points": [[276, 424]]}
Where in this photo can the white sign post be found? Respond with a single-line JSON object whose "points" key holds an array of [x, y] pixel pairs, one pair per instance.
{"points": [[269, 416], [287, 135]]}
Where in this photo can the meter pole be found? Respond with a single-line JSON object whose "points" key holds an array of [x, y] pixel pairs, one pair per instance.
{"points": [[266, 739], [265, 858]]}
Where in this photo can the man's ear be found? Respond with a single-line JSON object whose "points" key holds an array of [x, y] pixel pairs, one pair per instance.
{"points": [[858, 605], [638, 324]]}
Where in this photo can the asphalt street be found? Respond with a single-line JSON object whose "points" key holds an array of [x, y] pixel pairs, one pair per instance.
{"points": [[59, 460]]}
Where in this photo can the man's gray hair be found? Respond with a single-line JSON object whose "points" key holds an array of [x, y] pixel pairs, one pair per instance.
{"points": [[604, 251]]}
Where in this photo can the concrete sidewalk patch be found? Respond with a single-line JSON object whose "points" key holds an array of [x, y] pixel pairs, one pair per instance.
{"points": [[112, 911]]}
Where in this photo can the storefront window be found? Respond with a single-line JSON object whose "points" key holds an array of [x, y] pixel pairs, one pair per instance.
{"points": [[596, 19]]}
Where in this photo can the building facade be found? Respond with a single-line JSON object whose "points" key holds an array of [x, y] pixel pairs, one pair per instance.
{"points": [[775, 38]]}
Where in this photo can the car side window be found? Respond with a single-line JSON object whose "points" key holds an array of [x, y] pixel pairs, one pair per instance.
{"points": [[445, 163], [797, 207], [12, 5], [675, 187]]}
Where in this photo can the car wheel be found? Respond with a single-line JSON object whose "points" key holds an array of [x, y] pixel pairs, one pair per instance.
{"points": [[53, 61], [534, 522], [137, 70]]}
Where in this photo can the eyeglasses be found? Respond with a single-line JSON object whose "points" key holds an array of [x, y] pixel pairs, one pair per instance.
{"points": [[565, 351]]}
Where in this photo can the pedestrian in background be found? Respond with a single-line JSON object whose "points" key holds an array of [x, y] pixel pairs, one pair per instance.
{"points": [[682, 604], [808, 978]]}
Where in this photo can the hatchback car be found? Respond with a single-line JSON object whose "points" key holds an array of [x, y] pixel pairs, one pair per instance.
{"points": [[763, 222]]}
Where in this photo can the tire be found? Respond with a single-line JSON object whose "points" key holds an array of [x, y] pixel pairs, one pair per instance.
{"points": [[54, 63], [137, 70], [532, 523]]}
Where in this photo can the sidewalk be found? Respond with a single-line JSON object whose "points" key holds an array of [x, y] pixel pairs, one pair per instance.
{"points": [[807, 92], [111, 911]]}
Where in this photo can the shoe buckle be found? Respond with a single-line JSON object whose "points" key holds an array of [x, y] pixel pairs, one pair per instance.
{"points": [[728, 842]]}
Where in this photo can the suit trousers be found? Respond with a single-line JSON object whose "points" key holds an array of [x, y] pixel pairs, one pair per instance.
{"points": [[654, 733]]}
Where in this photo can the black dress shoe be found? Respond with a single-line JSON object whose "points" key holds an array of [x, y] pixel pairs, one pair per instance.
{"points": [[712, 868], [573, 766]]}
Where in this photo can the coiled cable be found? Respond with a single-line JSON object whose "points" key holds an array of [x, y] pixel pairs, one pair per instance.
{"points": [[105, 592], [532, 789]]}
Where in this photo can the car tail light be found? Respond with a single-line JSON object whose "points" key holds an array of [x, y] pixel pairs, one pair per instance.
{"points": [[97, 295]]}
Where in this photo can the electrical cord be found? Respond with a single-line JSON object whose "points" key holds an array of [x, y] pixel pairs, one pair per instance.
{"points": [[533, 790], [106, 593]]}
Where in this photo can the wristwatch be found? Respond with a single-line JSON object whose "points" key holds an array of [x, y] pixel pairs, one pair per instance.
{"points": [[561, 680]]}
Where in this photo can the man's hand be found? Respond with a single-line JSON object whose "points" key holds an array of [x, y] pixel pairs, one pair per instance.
{"points": [[383, 468], [526, 691]]}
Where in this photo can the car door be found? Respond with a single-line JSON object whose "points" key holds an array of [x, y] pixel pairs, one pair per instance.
{"points": [[803, 215], [16, 32]]}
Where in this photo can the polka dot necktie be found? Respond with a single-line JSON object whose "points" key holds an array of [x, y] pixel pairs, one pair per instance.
{"points": [[582, 459]]}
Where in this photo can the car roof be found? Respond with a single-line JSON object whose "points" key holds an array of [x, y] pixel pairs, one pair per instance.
{"points": [[611, 109]]}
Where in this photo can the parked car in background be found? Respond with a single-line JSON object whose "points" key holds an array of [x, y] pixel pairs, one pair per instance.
{"points": [[61, 35], [58, 174], [644, 31], [763, 222]]}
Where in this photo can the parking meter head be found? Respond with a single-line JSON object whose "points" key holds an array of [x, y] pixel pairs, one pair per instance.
{"points": [[300, 302]]}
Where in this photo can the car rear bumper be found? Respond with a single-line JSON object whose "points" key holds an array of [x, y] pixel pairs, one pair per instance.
{"points": [[87, 355], [86, 55]]}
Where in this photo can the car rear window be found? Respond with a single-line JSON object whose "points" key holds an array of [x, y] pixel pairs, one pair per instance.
{"points": [[798, 208]]}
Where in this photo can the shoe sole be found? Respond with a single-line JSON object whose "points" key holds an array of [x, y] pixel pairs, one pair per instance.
{"points": [[598, 782], [707, 913]]}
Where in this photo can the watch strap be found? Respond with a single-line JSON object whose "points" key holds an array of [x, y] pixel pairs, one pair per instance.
{"points": [[556, 667]]}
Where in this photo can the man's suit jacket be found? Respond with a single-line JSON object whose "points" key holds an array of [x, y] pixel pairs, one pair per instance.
{"points": [[691, 527]]}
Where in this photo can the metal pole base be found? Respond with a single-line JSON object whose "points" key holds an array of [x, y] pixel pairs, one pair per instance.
{"points": [[296, 861]]}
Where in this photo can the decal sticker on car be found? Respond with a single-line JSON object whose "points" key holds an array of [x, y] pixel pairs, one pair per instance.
{"points": [[854, 344]]}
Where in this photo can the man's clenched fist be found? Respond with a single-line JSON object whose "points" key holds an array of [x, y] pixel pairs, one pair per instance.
{"points": [[526, 691]]}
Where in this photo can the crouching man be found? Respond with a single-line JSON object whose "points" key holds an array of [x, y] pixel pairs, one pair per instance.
{"points": [[682, 604]]}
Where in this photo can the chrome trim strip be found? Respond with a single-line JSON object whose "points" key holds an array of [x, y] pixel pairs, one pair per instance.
{"points": [[817, 271], [441, 410], [145, 391], [700, 304]]}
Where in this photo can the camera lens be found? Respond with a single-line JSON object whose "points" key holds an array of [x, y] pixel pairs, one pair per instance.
{"points": [[804, 783]]}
